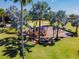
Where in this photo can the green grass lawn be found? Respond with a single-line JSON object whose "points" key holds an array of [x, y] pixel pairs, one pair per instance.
{"points": [[64, 49], [3, 35], [36, 23], [68, 26]]}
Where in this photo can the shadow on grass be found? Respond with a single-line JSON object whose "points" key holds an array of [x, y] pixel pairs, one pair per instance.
{"points": [[45, 42], [71, 34], [13, 47]]}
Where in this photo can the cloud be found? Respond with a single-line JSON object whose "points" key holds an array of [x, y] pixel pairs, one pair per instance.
{"points": [[73, 11]]}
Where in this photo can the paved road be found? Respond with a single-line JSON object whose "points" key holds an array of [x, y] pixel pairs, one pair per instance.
{"points": [[49, 33]]}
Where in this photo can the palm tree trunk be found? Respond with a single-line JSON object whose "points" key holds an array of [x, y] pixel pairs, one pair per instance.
{"points": [[53, 32], [52, 28], [33, 21], [3, 23], [39, 27], [57, 30], [21, 30], [33, 32], [76, 30], [3, 20]]}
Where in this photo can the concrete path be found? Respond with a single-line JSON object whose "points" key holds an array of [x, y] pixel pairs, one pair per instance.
{"points": [[49, 33]]}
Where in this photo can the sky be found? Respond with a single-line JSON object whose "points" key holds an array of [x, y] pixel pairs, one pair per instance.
{"points": [[70, 6]]}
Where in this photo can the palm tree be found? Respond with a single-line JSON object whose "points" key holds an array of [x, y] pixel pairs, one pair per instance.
{"points": [[2, 15], [38, 11], [50, 15], [22, 2], [75, 22], [59, 16], [52, 20]]}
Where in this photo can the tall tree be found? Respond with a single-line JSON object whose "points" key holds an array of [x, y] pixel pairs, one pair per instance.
{"points": [[22, 2], [75, 22], [3, 15], [52, 19], [38, 11], [60, 15]]}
